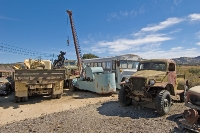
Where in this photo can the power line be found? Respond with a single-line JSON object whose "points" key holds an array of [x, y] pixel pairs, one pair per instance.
{"points": [[17, 50]]}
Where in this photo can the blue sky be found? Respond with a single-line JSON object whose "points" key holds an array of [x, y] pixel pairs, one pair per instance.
{"points": [[148, 28]]}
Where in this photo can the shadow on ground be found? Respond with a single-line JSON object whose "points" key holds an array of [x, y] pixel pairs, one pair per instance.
{"points": [[8, 101], [113, 108], [182, 128], [84, 94]]}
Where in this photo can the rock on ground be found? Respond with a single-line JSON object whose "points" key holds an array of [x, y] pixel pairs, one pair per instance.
{"points": [[101, 117]]}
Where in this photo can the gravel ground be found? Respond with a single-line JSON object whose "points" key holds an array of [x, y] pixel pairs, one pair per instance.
{"points": [[101, 117]]}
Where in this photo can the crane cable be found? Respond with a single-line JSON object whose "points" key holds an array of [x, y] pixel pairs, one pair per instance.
{"points": [[67, 32]]}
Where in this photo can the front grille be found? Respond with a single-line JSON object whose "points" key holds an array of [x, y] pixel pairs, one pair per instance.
{"points": [[138, 83], [194, 100]]}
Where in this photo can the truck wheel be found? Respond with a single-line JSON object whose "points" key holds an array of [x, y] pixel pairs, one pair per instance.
{"points": [[71, 87], [59, 96], [123, 98], [24, 99], [53, 96], [17, 99], [182, 97], [163, 102]]}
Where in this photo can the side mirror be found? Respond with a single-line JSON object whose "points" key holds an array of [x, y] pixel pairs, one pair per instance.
{"points": [[118, 63], [167, 72]]}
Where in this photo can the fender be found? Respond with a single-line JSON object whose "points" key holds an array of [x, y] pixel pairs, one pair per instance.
{"points": [[182, 83], [165, 85]]}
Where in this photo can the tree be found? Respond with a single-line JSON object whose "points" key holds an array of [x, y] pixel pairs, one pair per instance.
{"points": [[89, 56]]}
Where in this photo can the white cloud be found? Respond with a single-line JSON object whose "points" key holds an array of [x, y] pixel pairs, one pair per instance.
{"points": [[124, 44], [1, 17], [197, 34], [175, 52], [176, 48], [176, 2], [123, 14], [175, 31], [162, 25], [147, 42], [194, 17]]}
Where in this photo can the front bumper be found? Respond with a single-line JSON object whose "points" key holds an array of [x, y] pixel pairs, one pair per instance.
{"points": [[3, 92]]}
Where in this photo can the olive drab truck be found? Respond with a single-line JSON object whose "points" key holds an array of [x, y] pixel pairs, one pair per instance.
{"points": [[72, 71], [155, 83], [39, 78]]}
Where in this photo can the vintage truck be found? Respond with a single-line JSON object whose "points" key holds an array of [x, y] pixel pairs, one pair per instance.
{"points": [[154, 84], [190, 118], [72, 71], [95, 79], [38, 78]]}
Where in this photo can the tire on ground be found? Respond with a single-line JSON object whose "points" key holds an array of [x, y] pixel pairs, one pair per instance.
{"points": [[53, 96], [122, 97], [25, 99], [17, 99], [59, 96], [182, 97], [163, 102], [71, 87]]}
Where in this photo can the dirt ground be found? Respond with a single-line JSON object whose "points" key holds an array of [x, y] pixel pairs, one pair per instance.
{"points": [[42, 105]]}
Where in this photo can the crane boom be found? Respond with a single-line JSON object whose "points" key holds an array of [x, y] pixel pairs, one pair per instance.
{"points": [[76, 42]]}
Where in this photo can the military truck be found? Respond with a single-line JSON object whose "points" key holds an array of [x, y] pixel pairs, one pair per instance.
{"points": [[154, 84], [72, 71], [38, 78]]}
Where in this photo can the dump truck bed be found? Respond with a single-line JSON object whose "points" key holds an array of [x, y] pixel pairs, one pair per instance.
{"points": [[39, 76]]}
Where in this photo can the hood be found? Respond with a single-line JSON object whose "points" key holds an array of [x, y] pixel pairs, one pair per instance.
{"points": [[4, 80], [71, 67], [148, 73], [127, 72]]}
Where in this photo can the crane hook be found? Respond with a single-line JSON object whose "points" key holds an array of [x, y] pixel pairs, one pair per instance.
{"points": [[68, 41]]}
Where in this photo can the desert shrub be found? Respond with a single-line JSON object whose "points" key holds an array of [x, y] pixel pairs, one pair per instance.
{"points": [[192, 73]]}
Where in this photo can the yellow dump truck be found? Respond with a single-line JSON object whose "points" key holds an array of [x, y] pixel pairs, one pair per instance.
{"points": [[38, 78]]}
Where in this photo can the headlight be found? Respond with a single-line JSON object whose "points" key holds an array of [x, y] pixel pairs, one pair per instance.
{"points": [[152, 81], [2, 85], [126, 80]]}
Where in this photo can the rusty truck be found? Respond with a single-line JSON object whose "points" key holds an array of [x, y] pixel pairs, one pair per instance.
{"points": [[154, 84], [38, 78]]}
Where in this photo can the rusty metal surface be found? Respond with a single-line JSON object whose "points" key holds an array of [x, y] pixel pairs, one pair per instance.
{"points": [[191, 116], [192, 106], [39, 76], [185, 125]]}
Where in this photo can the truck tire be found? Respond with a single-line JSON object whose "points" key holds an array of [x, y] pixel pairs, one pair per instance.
{"points": [[71, 87], [17, 99], [53, 96], [24, 99], [122, 97], [163, 102], [59, 96], [182, 97]]}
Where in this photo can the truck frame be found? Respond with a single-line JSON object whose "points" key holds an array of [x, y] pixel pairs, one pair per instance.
{"points": [[156, 83], [38, 81]]}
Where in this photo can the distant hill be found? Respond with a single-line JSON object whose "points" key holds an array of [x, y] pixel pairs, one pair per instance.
{"points": [[188, 60]]}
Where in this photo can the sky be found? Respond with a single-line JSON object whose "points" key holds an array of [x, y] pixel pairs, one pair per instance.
{"points": [[149, 28]]}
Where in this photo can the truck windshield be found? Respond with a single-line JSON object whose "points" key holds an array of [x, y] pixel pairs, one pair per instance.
{"points": [[159, 66], [129, 64], [70, 63]]}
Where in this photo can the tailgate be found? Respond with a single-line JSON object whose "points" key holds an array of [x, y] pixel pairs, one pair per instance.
{"points": [[39, 76]]}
